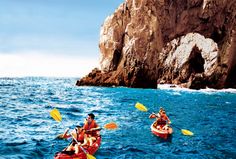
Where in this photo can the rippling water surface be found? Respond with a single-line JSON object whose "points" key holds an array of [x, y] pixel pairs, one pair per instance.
{"points": [[28, 131]]}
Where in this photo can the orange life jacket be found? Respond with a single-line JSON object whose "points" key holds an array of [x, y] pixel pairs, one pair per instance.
{"points": [[161, 122], [79, 137], [88, 126], [165, 117]]}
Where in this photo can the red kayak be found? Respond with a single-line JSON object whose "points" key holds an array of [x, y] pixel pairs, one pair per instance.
{"points": [[163, 133], [70, 155]]}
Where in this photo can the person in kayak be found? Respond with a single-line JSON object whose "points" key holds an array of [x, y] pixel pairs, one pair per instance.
{"points": [[90, 125], [79, 139], [157, 115], [161, 110], [165, 117], [161, 119]]}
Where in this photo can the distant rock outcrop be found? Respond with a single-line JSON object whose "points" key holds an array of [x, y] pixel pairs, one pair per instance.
{"points": [[191, 43]]}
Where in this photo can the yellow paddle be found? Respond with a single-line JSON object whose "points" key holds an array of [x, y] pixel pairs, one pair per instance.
{"points": [[186, 132], [55, 114], [141, 107], [109, 126]]}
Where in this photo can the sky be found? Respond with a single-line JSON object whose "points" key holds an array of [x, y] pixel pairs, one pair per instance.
{"points": [[51, 37]]}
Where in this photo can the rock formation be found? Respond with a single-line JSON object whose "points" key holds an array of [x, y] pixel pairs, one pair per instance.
{"points": [[191, 43]]}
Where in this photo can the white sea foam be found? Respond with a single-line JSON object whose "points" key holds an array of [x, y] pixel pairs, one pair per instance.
{"points": [[211, 90], [207, 90]]}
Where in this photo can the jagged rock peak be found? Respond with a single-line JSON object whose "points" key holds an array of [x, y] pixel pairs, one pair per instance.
{"points": [[185, 42]]}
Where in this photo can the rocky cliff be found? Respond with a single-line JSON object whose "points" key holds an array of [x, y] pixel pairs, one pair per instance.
{"points": [[191, 43]]}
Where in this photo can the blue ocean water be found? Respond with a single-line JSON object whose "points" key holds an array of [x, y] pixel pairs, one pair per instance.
{"points": [[28, 131]]}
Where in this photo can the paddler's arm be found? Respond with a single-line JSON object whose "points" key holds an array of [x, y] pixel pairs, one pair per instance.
{"points": [[85, 140], [65, 135], [154, 115], [96, 127], [168, 120]]}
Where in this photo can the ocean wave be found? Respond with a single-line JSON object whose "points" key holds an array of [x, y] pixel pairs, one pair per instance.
{"points": [[16, 143], [28, 130]]}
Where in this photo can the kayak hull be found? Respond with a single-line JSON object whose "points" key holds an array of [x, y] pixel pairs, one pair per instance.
{"points": [[164, 134], [81, 155]]}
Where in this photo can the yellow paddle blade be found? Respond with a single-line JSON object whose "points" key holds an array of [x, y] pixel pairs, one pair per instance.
{"points": [[90, 156], [186, 132], [111, 125], [55, 114], [141, 107]]}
